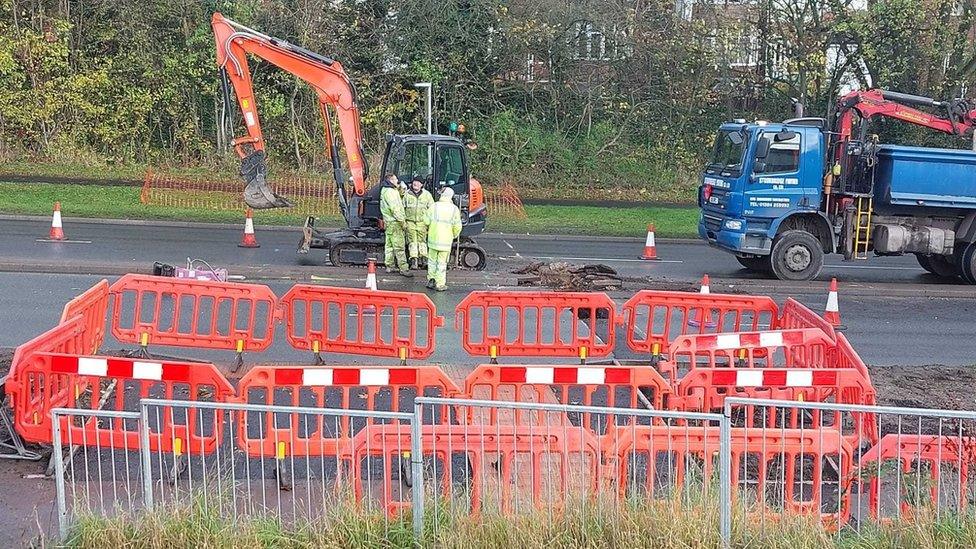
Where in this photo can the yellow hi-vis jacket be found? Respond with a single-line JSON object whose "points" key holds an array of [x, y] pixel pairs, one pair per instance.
{"points": [[416, 205], [444, 219], [391, 205]]}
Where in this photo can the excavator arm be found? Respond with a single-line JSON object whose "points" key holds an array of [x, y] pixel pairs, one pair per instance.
{"points": [[332, 86]]}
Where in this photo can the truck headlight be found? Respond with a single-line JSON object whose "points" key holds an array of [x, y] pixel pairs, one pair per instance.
{"points": [[733, 225]]}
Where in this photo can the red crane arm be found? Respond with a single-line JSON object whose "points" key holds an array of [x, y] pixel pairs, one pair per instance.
{"points": [[958, 119], [325, 75]]}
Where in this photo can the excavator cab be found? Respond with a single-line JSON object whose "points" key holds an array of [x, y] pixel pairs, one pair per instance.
{"points": [[439, 161]]}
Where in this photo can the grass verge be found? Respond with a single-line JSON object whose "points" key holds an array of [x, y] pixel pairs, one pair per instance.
{"points": [[117, 202], [631, 525]]}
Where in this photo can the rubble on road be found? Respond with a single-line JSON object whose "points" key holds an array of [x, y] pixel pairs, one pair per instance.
{"points": [[566, 276]]}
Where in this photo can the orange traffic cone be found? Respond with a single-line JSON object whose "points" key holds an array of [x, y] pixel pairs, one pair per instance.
{"points": [[832, 310], [57, 232], [650, 249], [370, 283], [248, 240], [694, 319], [371, 275]]}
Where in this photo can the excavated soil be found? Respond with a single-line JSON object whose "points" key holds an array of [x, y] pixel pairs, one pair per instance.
{"points": [[930, 386], [6, 357], [595, 278]]}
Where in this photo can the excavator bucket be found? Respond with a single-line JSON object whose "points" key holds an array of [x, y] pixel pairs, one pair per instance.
{"points": [[257, 193]]}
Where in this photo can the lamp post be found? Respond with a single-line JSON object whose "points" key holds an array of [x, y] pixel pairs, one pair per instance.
{"points": [[430, 108]]}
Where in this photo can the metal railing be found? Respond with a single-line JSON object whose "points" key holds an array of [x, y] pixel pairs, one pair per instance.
{"points": [[105, 475], [846, 466], [854, 464], [493, 458]]}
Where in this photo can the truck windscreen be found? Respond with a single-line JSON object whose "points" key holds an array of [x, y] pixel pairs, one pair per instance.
{"points": [[728, 153]]}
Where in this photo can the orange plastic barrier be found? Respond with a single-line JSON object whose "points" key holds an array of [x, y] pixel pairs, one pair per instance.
{"points": [[92, 306], [655, 318], [611, 386], [797, 315], [192, 313], [705, 390], [550, 324], [361, 322], [506, 468], [48, 380], [846, 357], [366, 388], [791, 468], [69, 336], [944, 462], [802, 348]]}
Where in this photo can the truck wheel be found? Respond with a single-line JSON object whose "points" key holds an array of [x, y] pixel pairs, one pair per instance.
{"points": [[759, 264], [796, 255], [938, 265], [923, 262], [967, 263]]}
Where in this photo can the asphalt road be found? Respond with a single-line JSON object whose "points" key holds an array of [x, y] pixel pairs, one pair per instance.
{"points": [[101, 248], [885, 331], [895, 312], [896, 315]]}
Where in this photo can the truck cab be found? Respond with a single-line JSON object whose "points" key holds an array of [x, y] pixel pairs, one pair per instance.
{"points": [[763, 185]]}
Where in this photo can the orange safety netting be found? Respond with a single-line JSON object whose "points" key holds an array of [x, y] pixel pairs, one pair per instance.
{"points": [[310, 195]]}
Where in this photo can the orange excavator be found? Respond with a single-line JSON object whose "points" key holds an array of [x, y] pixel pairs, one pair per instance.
{"points": [[439, 160]]}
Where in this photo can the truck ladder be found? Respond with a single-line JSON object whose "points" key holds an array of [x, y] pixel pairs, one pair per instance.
{"points": [[862, 226]]}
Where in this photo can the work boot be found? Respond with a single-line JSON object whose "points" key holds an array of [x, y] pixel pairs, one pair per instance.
{"points": [[406, 273], [413, 263], [389, 270], [430, 284], [441, 288]]}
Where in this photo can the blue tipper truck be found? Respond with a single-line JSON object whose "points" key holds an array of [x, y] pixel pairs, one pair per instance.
{"points": [[779, 196]]}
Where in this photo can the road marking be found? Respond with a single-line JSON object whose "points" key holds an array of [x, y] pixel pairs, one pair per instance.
{"points": [[873, 267], [606, 260], [63, 241], [510, 247]]}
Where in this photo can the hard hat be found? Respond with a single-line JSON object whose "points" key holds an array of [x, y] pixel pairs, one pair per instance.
{"points": [[447, 194]]}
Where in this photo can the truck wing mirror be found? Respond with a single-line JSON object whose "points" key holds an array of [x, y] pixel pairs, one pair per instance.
{"points": [[758, 167], [784, 135], [762, 148]]}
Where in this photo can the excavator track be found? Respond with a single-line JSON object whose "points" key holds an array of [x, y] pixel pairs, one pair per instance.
{"points": [[354, 254]]}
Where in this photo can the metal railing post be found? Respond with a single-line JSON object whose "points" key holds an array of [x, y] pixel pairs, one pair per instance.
{"points": [[145, 456], [417, 471], [725, 481], [59, 476]]}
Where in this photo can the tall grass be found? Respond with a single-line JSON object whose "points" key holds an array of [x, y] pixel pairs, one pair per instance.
{"points": [[664, 526]]}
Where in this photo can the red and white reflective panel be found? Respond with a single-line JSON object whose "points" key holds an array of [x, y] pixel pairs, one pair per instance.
{"points": [[326, 377], [121, 367], [551, 375], [793, 377], [751, 339]]}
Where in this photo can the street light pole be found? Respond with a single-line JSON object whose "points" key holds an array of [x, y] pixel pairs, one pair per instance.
{"points": [[430, 106]]}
